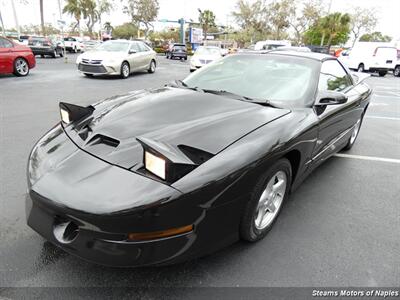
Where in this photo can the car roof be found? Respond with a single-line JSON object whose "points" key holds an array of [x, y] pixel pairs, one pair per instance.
{"points": [[311, 55]]}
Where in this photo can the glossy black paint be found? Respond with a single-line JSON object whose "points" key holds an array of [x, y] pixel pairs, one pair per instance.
{"points": [[90, 173]]}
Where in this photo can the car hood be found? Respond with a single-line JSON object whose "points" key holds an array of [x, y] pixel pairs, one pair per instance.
{"points": [[169, 116], [102, 55]]}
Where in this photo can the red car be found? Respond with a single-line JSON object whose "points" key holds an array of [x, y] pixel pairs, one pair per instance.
{"points": [[15, 58]]}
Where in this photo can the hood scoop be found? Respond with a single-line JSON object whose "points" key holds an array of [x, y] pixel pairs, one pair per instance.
{"points": [[102, 139]]}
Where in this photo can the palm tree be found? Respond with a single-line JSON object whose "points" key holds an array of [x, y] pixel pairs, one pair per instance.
{"points": [[42, 17], [74, 8], [108, 27], [334, 24], [207, 20]]}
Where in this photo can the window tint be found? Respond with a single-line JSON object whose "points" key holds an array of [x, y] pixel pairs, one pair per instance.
{"points": [[333, 77], [5, 43]]}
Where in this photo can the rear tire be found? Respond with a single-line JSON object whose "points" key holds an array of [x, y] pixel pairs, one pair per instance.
{"points": [[125, 70], [54, 54], [360, 68], [382, 73], [266, 201], [354, 134], [61, 53]]}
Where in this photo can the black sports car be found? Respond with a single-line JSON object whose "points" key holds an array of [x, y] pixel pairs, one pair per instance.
{"points": [[164, 175]]}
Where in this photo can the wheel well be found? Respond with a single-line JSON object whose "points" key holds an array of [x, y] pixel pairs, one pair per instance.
{"points": [[294, 157]]}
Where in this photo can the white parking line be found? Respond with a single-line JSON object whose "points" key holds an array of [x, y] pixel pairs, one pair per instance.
{"points": [[386, 96], [372, 158], [383, 118]]}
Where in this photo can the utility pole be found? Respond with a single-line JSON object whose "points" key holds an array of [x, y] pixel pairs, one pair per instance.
{"points": [[62, 24], [15, 18]]}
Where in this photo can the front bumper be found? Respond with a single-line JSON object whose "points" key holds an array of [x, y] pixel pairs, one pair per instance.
{"points": [[98, 246], [98, 69]]}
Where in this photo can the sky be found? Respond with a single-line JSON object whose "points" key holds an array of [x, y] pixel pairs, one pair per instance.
{"points": [[387, 12]]}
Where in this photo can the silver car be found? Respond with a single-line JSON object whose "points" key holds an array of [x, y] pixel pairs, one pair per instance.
{"points": [[117, 57]]}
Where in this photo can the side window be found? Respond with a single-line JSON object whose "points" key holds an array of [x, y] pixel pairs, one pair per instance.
{"points": [[333, 77], [135, 47], [143, 47], [5, 43]]}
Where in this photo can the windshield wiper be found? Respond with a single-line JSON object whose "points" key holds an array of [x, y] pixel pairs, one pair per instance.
{"points": [[181, 84], [240, 97]]}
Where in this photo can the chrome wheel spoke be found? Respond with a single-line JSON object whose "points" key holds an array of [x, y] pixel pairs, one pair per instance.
{"points": [[271, 206]]}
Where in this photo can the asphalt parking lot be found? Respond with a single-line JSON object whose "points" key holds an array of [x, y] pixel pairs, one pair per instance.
{"points": [[340, 228]]}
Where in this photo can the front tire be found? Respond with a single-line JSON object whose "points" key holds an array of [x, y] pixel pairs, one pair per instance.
{"points": [[54, 54], [396, 71], [152, 67], [266, 201], [21, 67], [360, 68], [125, 70]]}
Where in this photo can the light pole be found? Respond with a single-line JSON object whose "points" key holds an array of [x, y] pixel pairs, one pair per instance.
{"points": [[15, 18]]}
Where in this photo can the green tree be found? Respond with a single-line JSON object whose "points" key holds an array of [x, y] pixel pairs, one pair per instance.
{"points": [[207, 21], [89, 13], [142, 12], [279, 13], [302, 18], [375, 37], [252, 19], [362, 20], [335, 27], [74, 8], [125, 31], [108, 27]]}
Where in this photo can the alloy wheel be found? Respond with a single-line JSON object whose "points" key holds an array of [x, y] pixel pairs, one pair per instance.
{"points": [[270, 200], [22, 66], [125, 70]]}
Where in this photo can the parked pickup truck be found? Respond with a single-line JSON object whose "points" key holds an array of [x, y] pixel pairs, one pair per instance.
{"points": [[73, 44]]}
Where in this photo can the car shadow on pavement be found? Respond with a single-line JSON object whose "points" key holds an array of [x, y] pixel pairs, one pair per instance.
{"points": [[114, 77]]}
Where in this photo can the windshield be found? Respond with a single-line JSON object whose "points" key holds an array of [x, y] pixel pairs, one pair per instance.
{"points": [[113, 46], [179, 48], [208, 51], [287, 81]]}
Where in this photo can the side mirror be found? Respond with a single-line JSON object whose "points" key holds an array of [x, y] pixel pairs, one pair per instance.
{"points": [[330, 98], [132, 51]]}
